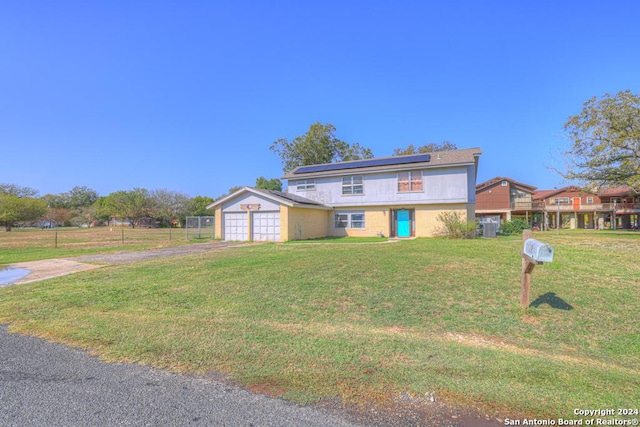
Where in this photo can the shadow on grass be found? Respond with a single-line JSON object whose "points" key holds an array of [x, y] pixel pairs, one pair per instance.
{"points": [[553, 300]]}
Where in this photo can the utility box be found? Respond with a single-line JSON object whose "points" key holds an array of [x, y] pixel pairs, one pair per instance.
{"points": [[489, 230], [538, 251]]}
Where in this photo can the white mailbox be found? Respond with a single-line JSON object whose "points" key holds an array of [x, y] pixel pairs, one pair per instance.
{"points": [[538, 251]]}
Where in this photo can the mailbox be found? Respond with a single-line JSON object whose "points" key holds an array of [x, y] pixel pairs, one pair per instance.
{"points": [[538, 251]]}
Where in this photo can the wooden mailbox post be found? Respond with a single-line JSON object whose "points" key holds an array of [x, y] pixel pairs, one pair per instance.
{"points": [[533, 253]]}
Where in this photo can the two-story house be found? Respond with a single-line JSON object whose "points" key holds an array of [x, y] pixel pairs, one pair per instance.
{"points": [[399, 196], [500, 199], [573, 207]]}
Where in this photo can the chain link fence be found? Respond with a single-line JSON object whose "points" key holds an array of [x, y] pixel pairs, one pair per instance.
{"points": [[200, 227]]}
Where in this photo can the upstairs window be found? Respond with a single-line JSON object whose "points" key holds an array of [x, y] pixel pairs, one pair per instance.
{"points": [[352, 185], [561, 201], [305, 185], [409, 181]]}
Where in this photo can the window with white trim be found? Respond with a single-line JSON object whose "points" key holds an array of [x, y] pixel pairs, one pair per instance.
{"points": [[352, 185], [409, 181], [590, 200], [560, 201], [305, 184], [349, 220]]}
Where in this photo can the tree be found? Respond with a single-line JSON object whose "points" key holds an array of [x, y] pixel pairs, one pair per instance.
{"points": [[169, 205], [605, 139], [428, 148], [81, 197], [271, 184], [198, 206], [17, 190], [318, 145], [128, 205], [14, 208]]}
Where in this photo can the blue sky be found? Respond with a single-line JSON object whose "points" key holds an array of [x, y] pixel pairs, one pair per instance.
{"points": [[189, 95]]}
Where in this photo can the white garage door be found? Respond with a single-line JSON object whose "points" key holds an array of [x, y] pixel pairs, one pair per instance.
{"points": [[235, 226], [266, 226]]}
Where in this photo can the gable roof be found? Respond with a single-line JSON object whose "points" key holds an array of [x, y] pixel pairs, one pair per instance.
{"points": [[286, 199], [413, 161], [545, 194], [615, 192], [497, 179]]}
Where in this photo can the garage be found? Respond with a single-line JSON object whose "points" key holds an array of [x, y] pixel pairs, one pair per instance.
{"points": [[265, 226], [256, 214], [235, 226]]}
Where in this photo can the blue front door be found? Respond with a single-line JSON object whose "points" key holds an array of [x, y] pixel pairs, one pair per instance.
{"points": [[404, 223]]}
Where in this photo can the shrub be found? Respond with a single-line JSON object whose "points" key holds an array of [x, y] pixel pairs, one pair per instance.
{"points": [[515, 226], [455, 226]]}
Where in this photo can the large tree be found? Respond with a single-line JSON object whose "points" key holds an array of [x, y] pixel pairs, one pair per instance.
{"points": [[19, 204], [427, 148], [169, 205], [269, 184], [318, 145], [17, 190], [605, 139], [198, 206], [15, 208], [128, 205]]}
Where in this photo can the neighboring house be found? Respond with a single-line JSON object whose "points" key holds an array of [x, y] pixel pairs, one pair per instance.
{"points": [[500, 199], [572, 207], [399, 196]]}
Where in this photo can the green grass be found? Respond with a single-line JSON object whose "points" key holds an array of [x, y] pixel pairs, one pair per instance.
{"points": [[368, 322], [341, 240]]}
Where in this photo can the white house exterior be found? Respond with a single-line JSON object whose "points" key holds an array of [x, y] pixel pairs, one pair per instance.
{"points": [[399, 196]]}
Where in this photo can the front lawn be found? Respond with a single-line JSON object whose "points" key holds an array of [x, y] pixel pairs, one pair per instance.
{"points": [[369, 322]]}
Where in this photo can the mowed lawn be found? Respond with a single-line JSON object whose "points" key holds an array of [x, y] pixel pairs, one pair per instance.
{"points": [[368, 322]]}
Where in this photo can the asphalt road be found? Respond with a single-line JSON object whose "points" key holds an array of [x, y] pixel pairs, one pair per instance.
{"points": [[45, 384]]}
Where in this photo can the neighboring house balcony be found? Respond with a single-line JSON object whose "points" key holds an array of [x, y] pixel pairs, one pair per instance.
{"points": [[588, 207]]}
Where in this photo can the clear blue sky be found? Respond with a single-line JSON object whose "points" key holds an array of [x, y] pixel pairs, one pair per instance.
{"points": [[189, 95]]}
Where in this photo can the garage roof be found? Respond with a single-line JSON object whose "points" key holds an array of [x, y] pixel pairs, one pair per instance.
{"points": [[286, 199]]}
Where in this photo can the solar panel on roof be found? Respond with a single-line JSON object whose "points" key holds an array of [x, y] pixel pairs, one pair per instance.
{"points": [[364, 163]]}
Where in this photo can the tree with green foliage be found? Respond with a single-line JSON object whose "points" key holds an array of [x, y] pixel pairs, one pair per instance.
{"points": [[14, 208], [605, 137], [318, 145], [428, 148], [128, 205], [81, 196], [269, 184], [198, 206]]}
